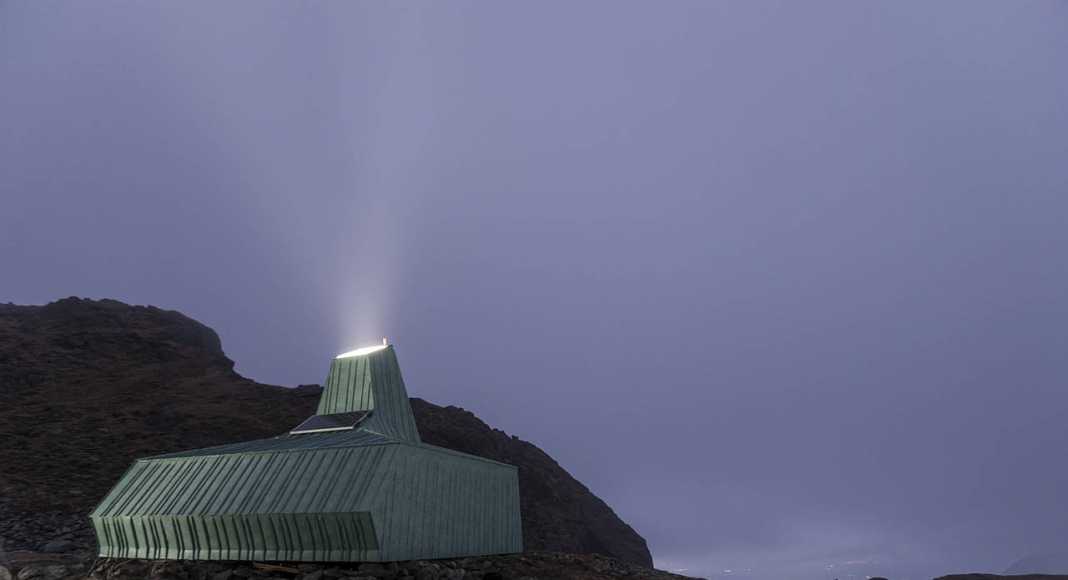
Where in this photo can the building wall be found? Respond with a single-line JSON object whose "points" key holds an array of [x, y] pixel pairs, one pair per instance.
{"points": [[373, 383], [281, 537], [419, 501], [441, 505]]}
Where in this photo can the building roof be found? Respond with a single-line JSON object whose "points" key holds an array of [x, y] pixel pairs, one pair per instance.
{"points": [[283, 443]]}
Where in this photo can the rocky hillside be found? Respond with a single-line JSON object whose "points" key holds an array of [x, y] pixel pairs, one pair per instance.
{"points": [[87, 386], [528, 566]]}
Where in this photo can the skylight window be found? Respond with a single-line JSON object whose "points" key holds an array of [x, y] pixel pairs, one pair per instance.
{"points": [[328, 423]]}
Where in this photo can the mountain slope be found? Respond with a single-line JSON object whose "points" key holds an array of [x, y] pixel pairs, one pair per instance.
{"points": [[87, 386]]}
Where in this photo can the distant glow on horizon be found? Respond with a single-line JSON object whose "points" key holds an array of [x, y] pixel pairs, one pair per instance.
{"points": [[364, 350]]}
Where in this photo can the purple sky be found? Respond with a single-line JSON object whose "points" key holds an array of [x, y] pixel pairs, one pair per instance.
{"points": [[785, 283]]}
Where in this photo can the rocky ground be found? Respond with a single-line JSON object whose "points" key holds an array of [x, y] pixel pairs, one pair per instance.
{"points": [[529, 566], [49, 532], [87, 386]]}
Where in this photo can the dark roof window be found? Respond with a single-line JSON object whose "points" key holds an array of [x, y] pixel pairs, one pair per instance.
{"points": [[334, 422]]}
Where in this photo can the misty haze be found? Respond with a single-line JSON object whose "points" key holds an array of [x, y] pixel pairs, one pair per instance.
{"points": [[782, 283]]}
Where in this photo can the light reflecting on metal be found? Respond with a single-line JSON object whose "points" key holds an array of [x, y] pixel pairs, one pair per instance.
{"points": [[364, 350]]}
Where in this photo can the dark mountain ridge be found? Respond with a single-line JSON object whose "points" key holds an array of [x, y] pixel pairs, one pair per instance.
{"points": [[87, 386]]}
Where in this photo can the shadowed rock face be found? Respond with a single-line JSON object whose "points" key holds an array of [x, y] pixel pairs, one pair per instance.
{"points": [[87, 386]]}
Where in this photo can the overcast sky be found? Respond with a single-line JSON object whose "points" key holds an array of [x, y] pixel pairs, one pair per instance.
{"points": [[784, 283]]}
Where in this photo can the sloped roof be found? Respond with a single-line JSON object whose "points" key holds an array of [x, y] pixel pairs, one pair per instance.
{"points": [[282, 443], [315, 442], [286, 479]]}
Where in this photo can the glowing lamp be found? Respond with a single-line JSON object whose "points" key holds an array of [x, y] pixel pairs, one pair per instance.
{"points": [[364, 350]]}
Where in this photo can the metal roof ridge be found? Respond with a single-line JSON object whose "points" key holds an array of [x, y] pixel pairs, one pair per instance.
{"points": [[176, 455]]}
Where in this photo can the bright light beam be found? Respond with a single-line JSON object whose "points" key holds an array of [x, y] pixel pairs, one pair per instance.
{"points": [[364, 350]]}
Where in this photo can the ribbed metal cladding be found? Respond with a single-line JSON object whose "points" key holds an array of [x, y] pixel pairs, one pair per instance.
{"points": [[450, 505], [371, 493], [378, 502], [348, 386], [307, 537], [371, 382], [289, 443]]}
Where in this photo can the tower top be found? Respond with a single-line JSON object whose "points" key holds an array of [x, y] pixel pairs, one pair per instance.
{"points": [[369, 379]]}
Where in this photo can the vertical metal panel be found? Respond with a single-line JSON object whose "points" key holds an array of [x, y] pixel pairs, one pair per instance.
{"points": [[441, 505], [373, 493], [393, 415], [311, 537], [371, 382], [403, 501], [348, 386]]}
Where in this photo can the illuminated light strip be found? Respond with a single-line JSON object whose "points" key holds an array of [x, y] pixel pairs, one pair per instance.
{"points": [[364, 350]]}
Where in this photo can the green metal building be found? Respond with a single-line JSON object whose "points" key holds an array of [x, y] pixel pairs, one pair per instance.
{"points": [[352, 483]]}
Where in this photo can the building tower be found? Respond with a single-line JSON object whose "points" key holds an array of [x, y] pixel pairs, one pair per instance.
{"points": [[353, 482]]}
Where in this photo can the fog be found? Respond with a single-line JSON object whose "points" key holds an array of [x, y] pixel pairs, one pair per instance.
{"points": [[782, 282]]}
